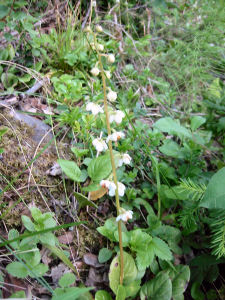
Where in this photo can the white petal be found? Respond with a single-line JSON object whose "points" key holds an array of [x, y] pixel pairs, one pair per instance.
{"points": [[111, 118], [118, 218]]}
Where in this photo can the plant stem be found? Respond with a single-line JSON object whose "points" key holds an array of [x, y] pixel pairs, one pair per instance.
{"points": [[113, 167]]}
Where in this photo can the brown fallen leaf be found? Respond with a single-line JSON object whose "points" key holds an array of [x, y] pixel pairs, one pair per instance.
{"points": [[66, 238], [98, 194]]}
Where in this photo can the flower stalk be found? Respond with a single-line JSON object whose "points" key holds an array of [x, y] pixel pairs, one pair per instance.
{"points": [[113, 167]]}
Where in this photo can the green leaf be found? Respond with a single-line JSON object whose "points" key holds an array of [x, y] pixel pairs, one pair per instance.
{"points": [[48, 238], [32, 258], [4, 10], [28, 223], [172, 127], [71, 169], [196, 122], [171, 148], [71, 293], [130, 272], [196, 292], [13, 233], [17, 269], [67, 279], [19, 294], [36, 213], [79, 152], [214, 196], [104, 255], [9, 80], [84, 201], [108, 229], [161, 249], [159, 288], [121, 293], [102, 295], [180, 276], [38, 271], [100, 168]]}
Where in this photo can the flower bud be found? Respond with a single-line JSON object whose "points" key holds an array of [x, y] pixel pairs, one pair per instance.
{"points": [[95, 71], [108, 74], [99, 28], [111, 58], [100, 47], [87, 29]]}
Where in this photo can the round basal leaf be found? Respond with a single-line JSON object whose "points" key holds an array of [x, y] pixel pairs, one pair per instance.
{"points": [[180, 278], [196, 122], [121, 293], [159, 288], [13, 233], [100, 168], [214, 196], [102, 295], [67, 279], [17, 269], [130, 272], [71, 169], [38, 270], [104, 255]]}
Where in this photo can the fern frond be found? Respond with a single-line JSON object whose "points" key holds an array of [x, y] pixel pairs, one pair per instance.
{"points": [[188, 216], [217, 226], [195, 191]]}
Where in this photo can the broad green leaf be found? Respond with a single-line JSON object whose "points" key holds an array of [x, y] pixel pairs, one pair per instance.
{"points": [[32, 258], [144, 258], [4, 10], [104, 255], [13, 233], [139, 240], [171, 148], [173, 127], [38, 270], [71, 169], [133, 288], [36, 213], [180, 278], [130, 272], [160, 249], [67, 279], [102, 295], [108, 229], [100, 168], [159, 288], [28, 223], [196, 122], [48, 238], [121, 293], [17, 269], [196, 292], [214, 196]]}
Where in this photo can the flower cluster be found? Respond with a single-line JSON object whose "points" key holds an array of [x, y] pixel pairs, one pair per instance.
{"points": [[99, 144], [94, 108], [111, 187], [124, 215], [116, 116]]}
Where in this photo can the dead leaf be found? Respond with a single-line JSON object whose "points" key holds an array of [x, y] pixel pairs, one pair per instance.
{"points": [[98, 194], [66, 238]]}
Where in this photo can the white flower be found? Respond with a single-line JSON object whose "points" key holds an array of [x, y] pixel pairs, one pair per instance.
{"points": [[108, 74], [111, 96], [95, 71], [116, 136], [110, 185], [94, 108], [99, 28], [125, 215], [99, 145], [121, 189], [111, 58], [125, 159], [100, 47], [116, 116], [93, 3]]}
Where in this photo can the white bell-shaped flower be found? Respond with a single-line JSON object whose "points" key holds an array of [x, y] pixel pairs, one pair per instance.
{"points": [[115, 136], [108, 74], [99, 145], [99, 28], [116, 116], [124, 215], [94, 108], [110, 185], [112, 96], [125, 159], [100, 47]]}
